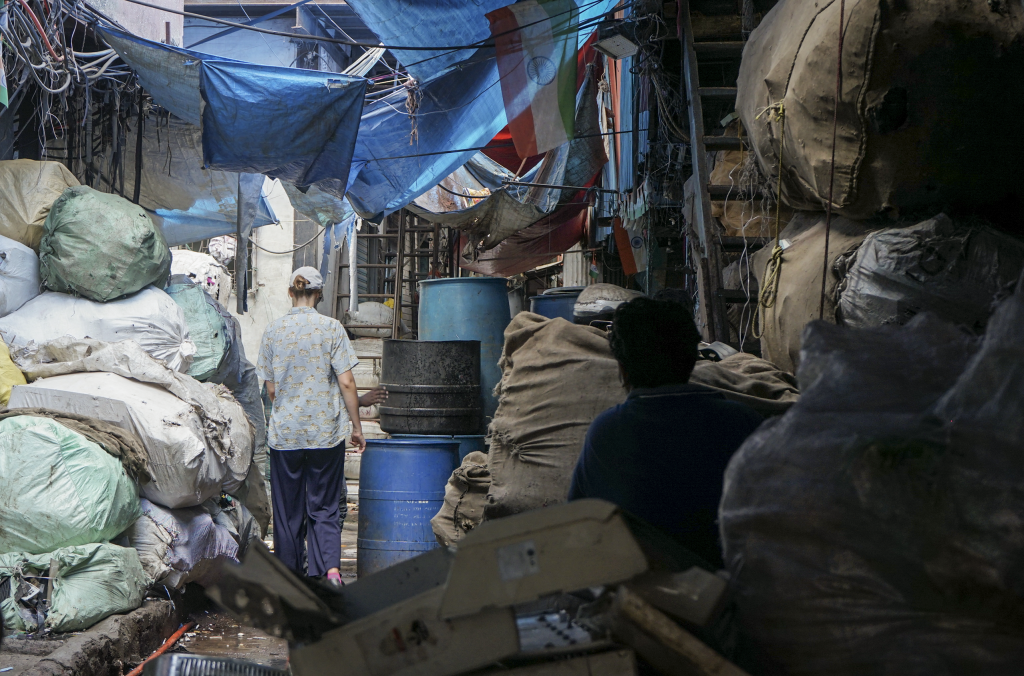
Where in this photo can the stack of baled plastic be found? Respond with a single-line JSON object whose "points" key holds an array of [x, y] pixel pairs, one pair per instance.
{"points": [[876, 526], [105, 345]]}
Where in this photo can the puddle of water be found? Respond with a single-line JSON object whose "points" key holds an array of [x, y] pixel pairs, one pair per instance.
{"points": [[217, 635]]}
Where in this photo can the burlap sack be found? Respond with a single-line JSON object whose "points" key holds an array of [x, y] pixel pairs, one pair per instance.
{"points": [[742, 377], [918, 76], [464, 500], [799, 291], [556, 378]]}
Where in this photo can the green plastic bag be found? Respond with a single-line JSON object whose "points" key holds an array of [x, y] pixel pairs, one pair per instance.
{"points": [[101, 246], [92, 582], [58, 489], [205, 327]]}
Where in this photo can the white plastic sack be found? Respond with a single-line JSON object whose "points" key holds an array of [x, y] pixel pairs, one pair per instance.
{"points": [[186, 470], [19, 275], [203, 269], [177, 546], [149, 317], [215, 407]]}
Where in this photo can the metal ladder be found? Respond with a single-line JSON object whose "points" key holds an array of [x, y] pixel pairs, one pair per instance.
{"points": [[399, 227], [708, 254]]}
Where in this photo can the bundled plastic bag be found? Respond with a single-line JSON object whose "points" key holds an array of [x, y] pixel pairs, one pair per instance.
{"points": [[150, 318], [226, 430], [10, 375], [19, 275], [58, 489], [29, 190], [959, 273], [93, 582], [205, 326], [177, 546], [185, 470], [876, 527], [464, 499], [556, 378], [204, 270], [101, 246]]}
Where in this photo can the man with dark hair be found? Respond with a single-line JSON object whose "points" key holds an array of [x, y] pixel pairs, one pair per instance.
{"points": [[661, 455]]}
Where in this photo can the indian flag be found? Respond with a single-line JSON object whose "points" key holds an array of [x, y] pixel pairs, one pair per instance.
{"points": [[536, 46]]}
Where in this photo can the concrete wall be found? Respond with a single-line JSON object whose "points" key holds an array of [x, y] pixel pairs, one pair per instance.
{"points": [[267, 50], [269, 299], [143, 21]]}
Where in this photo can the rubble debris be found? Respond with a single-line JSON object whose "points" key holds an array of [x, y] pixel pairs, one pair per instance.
{"points": [[101, 246], [58, 489]]}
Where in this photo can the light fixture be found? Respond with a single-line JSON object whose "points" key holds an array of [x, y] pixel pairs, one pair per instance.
{"points": [[616, 38]]}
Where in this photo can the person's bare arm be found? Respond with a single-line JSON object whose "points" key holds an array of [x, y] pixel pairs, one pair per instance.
{"points": [[271, 390], [377, 395], [348, 390]]}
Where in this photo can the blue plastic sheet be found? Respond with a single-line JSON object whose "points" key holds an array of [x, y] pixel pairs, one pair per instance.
{"points": [[461, 109], [288, 123], [452, 23], [292, 124]]}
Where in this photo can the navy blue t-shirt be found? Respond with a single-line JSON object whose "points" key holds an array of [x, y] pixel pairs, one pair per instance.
{"points": [[661, 456]]}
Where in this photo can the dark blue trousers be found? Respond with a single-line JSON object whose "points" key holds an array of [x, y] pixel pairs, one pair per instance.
{"points": [[306, 487]]}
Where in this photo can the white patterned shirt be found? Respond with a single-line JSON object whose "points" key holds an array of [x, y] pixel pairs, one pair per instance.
{"points": [[302, 353]]}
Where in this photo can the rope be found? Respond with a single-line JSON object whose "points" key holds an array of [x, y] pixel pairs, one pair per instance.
{"points": [[832, 168], [773, 269]]}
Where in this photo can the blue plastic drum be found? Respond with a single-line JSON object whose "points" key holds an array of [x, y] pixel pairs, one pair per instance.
{"points": [[467, 442], [401, 488]]}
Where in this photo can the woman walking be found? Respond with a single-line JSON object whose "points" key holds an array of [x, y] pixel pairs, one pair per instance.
{"points": [[306, 360]]}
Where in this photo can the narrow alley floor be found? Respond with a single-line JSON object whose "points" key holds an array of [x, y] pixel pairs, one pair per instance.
{"points": [[216, 634]]}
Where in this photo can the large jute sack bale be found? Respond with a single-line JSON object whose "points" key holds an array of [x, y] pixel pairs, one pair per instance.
{"points": [[799, 281], [58, 489], [878, 526], [29, 190], [149, 318], [918, 76], [556, 378], [742, 377], [465, 497], [101, 246]]}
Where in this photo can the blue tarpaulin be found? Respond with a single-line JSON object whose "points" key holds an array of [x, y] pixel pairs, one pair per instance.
{"points": [[461, 109], [297, 125], [292, 124], [440, 23]]}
